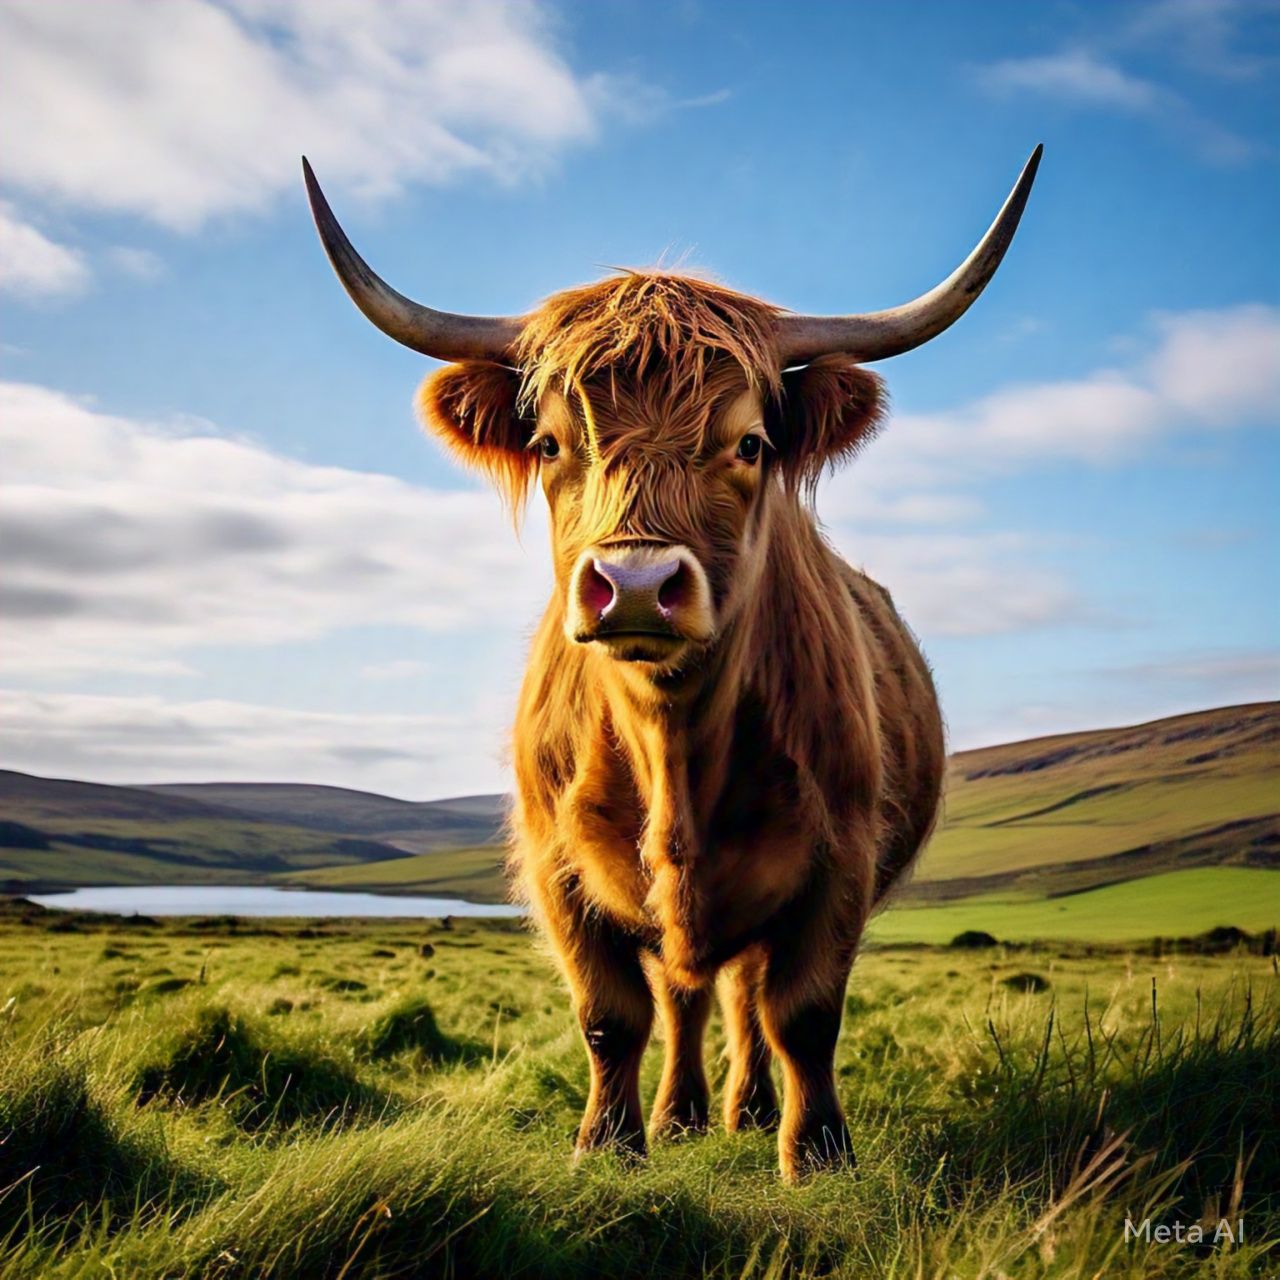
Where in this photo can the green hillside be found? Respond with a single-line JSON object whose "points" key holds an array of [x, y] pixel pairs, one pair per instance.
{"points": [[416, 825], [61, 834], [1026, 824], [1081, 810], [474, 873]]}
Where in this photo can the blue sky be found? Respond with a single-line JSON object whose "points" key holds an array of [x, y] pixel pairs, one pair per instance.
{"points": [[229, 553]]}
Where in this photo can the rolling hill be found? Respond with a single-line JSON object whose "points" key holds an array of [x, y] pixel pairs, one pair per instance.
{"points": [[56, 833], [417, 826], [1076, 811], [1025, 822]]}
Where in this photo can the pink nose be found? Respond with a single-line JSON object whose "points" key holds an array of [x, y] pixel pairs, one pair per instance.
{"points": [[633, 593]]}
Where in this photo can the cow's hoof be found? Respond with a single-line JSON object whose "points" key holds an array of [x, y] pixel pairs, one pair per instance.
{"points": [[677, 1123], [823, 1148], [629, 1147], [761, 1114]]}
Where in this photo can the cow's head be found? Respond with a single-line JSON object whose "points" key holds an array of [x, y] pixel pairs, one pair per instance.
{"points": [[665, 418]]}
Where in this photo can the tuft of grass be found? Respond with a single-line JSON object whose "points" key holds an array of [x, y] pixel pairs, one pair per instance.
{"points": [[1033, 983], [972, 939], [411, 1024], [257, 1078], [165, 986], [73, 1151]]}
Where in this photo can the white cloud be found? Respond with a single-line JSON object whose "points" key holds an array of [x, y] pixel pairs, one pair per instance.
{"points": [[963, 584], [395, 669], [128, 544], [1075, 75], [200, 108], [1206, 369], [1080, 77], [142, 264], [151, 739], [32, 265], [1220, 367]]}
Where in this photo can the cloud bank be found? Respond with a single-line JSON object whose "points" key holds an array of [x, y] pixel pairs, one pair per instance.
{"points": [[182, 112], [130, 547], [129, 544]]}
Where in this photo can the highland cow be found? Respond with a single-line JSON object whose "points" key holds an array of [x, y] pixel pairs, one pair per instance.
{"points": [[728, 747]]}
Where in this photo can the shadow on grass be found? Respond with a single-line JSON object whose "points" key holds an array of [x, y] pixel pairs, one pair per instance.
{"points": [[258, 1078], [66, 1160]]}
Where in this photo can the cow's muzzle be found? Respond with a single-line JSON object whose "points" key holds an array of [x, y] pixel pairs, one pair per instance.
{"points": [[641, 601]]}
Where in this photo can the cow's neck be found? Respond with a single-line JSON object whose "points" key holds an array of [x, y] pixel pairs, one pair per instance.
{"points": [[675, 730], [677, 734]]}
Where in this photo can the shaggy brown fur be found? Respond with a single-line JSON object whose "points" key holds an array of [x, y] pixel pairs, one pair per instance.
{"points": [[739, 809]]}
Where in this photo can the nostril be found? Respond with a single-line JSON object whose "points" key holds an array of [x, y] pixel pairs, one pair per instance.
{"points": [[674, 592], [594, 589]]}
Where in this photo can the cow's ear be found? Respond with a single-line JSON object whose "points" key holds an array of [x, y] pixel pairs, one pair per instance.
{"points": [[825, 413], [474, 407]]}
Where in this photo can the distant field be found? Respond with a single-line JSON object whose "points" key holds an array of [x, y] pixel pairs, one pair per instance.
{"points": [[1176, 904], [181, 850], [466, 873]]}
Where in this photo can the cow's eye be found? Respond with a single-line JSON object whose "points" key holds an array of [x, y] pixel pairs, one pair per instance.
{"points": [[549, 447], [750, 448]]}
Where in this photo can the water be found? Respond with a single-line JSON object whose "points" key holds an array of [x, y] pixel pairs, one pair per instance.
{"points": [[258, 900]]}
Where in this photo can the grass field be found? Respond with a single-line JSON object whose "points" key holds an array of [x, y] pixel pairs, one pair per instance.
{"points": [[398, 1099], [1176, 904]]}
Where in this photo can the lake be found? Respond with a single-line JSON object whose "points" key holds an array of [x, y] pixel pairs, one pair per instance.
{"points": [[258, 900]]}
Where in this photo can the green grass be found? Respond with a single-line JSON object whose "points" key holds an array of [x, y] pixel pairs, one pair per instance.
{"points": [[1176, 904], [343, 1100]]}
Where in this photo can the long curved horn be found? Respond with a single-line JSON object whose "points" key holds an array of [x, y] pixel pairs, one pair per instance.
{"points": [[876, 335], [441, 334]]}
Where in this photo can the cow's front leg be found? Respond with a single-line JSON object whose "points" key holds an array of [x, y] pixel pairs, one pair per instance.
{"points": [[614, 1008], [682, 1101], [801, 1002], [813, 1134]]}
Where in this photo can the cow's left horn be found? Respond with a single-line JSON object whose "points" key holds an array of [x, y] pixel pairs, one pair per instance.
{"points": [[441, 334], [876, 335]]}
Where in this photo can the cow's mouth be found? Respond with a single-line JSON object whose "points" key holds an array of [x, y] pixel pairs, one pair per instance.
{"points": [[638, 646]]}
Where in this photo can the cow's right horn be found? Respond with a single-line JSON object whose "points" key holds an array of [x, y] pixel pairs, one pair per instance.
{"points": [[877, 335], [441, 334]]}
